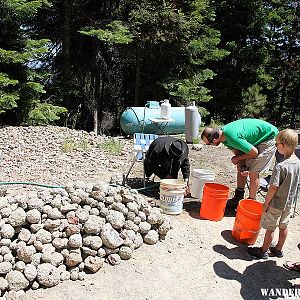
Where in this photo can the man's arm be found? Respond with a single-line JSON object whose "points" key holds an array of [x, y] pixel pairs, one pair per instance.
{"points": [[244, 156], [185, 168]]}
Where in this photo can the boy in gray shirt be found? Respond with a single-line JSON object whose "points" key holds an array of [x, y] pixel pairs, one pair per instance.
{"points": [[281, 194]]}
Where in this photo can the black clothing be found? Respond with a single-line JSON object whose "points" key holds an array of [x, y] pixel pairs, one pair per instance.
{"points": [[159, 161]]}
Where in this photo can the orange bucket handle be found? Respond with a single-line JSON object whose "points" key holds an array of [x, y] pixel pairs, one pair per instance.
{"points": [[247, 229]]}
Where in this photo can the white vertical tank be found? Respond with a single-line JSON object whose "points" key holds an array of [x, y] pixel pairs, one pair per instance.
{"points": [[192, 123], [165, 110]]}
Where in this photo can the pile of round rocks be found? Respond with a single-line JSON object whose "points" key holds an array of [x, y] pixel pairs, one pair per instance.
{"points": [[58, 234]]}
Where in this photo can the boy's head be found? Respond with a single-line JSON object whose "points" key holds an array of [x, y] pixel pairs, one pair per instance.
{"points": [[288, 137]]}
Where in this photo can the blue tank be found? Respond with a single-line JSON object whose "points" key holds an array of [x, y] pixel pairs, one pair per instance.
{"points": [[136, 119]]}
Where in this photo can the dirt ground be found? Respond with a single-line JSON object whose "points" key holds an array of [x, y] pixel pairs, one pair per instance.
{"points": [[199, 259]]}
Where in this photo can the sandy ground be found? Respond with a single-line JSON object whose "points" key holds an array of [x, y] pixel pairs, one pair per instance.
{"points": [[199, 259]]}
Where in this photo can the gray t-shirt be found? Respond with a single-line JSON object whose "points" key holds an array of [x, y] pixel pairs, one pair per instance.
{"points": [[286, 176]]}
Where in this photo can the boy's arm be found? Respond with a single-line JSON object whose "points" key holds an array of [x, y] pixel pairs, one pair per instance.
{"points": [[270, 194], [274, 184]]}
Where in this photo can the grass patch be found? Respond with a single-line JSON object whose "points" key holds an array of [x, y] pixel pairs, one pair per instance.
{"points": [[84, 145], [68, 145], [112, 146], [196, 141]]}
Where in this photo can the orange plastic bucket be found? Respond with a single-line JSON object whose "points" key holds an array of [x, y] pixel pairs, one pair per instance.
{"points": [[247, 221], [214, 200]]}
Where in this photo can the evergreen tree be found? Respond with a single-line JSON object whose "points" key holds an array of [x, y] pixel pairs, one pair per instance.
{"points": [[21, 76], [282, 34]]}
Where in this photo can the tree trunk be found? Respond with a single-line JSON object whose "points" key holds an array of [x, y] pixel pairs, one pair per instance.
{"points": [[137, 77], [284, 88], [295, 106], [66, 50], [95, 119], [282, 99]]}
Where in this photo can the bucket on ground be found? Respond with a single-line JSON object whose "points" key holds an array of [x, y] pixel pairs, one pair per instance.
{"points": [[198, 179], [247, 221], [171, 195], [214, 200]]}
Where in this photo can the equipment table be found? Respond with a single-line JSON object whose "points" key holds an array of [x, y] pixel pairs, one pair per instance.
{"points": [[161, 124]]}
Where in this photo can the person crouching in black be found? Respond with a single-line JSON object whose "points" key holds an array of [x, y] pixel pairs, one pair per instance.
{"points": [[165, 156]]}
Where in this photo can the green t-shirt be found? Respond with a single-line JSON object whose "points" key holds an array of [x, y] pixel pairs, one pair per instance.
{"points": [[243, 134]]}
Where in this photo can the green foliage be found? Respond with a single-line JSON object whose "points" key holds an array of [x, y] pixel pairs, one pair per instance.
{"points": [[35, 49], [201, 48], [112, 146], [264, 51], [157, 23], [233, 58], [116, 33], [44, 113], [5, 81], [22, 81], [27, 8], [204, 48], [196, 141], [254, 102], [191, 89], [8, 100], [9, 56]]}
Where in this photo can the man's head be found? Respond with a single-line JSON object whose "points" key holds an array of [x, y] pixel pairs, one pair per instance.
{"points": [[177, 149], [211, 136]]}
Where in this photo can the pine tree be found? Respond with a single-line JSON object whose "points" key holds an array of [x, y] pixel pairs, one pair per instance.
{"points": [[21, 75]]}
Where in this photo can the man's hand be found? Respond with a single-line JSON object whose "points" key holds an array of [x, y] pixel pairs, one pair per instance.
{"points": [[243, 156], [186, 188], [234, 159], [265, 207]]}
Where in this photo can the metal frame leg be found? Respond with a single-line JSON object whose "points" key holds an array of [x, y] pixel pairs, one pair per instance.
{"points": [[133, 162], [144, 174]]}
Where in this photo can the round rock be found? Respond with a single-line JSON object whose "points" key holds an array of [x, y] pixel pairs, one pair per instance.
{"points": [[17, 217], [47, 275], [16, 281]]}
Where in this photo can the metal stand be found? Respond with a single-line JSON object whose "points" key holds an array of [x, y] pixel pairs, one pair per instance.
{"points": [[161, 124]]}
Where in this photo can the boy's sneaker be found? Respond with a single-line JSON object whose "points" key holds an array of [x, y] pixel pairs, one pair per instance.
{"points": [[256, 252], [276, 252]]}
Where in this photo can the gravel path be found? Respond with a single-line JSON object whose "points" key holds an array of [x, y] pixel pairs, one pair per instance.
{"points": [[198, 260]]}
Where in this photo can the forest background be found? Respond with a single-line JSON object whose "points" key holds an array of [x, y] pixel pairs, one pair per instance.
{"points": [[80, 63]]}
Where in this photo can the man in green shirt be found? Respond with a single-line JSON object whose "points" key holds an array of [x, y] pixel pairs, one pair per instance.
{"points": [[253, 143]]}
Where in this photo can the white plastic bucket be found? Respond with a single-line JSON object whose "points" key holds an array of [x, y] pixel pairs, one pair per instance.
{"points": [[171, 196], [197, 181]]}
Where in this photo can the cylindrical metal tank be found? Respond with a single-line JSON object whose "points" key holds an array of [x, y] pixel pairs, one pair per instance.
{"points": [[192, 123], [165, 110], [136, 119]]}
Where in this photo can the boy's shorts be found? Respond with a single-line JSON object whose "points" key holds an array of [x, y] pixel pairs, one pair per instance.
{"points": [[264, 159], [274, 217]]}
